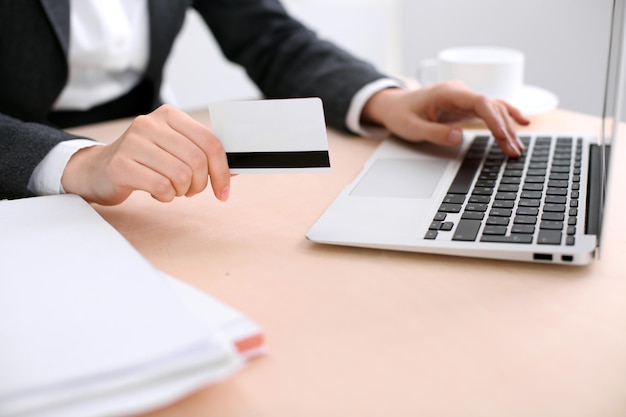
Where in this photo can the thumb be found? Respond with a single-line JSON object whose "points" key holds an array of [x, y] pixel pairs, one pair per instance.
{"points": [[439, 134]]}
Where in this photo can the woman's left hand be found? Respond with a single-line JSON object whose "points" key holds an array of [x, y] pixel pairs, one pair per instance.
{"points": [[424, 114]]}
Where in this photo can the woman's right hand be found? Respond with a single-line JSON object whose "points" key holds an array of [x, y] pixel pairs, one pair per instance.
{"points": [[165, 153]]}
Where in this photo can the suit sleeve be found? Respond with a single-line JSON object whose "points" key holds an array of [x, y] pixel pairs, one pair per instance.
{"points": [[283, 57], [22, 147]]}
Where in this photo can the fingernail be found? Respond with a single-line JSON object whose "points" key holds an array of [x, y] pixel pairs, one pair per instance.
{"points": [[455, 137], [225, 193]]}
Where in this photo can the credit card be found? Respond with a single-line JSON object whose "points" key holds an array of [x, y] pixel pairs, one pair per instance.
{"points": [[272, 136]]}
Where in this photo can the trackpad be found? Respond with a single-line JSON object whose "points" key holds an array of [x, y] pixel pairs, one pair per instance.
{"points": [[401, 178]]}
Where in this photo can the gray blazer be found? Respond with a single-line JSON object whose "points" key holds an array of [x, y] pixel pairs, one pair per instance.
{"points": [[280, 55]]}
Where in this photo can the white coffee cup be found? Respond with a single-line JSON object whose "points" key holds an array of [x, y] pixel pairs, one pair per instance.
{"points": [[492, 71]]}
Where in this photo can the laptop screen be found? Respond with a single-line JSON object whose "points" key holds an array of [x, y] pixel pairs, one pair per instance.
{"points": [[613, 94], [614, 84]]}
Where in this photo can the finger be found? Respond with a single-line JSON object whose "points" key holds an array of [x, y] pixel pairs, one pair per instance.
{"points": [[189, 172], [154, 140], [497, 124], [211, 146], [218, 169], [133, 175], [516, 114], [438, 133], [163, 151], [178, 173], [510, 127], [494, 113]]}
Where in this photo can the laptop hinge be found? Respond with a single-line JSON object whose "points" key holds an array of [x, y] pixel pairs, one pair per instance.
{"points": [[595, 192]]}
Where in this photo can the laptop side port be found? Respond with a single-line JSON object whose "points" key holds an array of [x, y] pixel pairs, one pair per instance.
{"points": [[542, 256], [567, 258]]}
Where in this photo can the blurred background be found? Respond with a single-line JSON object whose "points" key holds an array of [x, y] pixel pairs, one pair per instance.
{"points": [[565, 43]]}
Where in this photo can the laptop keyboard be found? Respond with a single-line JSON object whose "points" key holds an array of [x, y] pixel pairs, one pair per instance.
{"points": [[531, 199]]}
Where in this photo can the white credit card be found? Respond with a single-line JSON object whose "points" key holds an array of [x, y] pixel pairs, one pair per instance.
{"points": [[278, 135]]}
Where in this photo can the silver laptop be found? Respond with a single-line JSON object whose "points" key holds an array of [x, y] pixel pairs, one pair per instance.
{"points": [[545, 206]]}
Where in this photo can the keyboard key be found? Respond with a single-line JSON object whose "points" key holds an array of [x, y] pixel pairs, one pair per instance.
{"points": [[508, 188], [535, 179], [549, 237], [512, 173], [454, 198], [473, 215], [484, 199], [525, 220], [523, 228], [556, 191], [467, 230], [501, 212], [430, 235], [510, 180], [464, 176], [559, 176], [536, 172], [556, 199], [557, 208], [529, 202], [494, 230], [529, 186], [434, 225], [486, 183], [527, 211], [559, 217], [440, 216], [506, 196], [546, 224], [498, 221], [446, 226], [558, 183], [450, 208], [531, 194], [507, 204], [482, 191], [476, 207], [516, 238]]}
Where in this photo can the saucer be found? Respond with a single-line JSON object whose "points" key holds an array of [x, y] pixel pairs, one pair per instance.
{"points": [[534, 100]]}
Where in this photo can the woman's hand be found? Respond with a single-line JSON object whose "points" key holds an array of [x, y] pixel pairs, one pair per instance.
{"points": [[422, 114], [165, 153]]}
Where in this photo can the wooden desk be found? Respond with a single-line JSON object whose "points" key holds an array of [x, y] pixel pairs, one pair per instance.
{"points": [[360, 332]]}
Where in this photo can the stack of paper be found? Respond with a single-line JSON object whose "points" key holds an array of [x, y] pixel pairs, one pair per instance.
{"points": [[88, 327]]}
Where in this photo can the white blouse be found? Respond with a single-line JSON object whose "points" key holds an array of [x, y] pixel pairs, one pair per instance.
{"points": [[108, 51]]}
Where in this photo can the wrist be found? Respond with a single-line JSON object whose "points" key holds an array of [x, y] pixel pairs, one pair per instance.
{"points": [[75, 175], [377, 108]]}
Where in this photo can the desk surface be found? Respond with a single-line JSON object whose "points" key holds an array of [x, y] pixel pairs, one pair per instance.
{"points": [[362, 332]]}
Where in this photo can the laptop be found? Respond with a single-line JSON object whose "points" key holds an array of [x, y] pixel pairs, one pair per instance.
{"points": [[546, 206]]}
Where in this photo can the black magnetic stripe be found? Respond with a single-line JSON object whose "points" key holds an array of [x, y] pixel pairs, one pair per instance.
{"points": [[300, 159]]}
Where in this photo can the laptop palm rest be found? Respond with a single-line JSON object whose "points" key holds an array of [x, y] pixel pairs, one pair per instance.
{"points": [[401, 178]]}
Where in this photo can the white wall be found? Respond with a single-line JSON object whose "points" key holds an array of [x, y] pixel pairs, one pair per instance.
{"points": [[565, 42]]}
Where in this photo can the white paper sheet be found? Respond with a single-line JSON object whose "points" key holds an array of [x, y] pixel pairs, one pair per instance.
{"points": [[87, 325]]}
